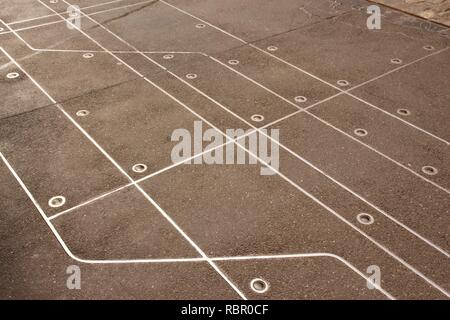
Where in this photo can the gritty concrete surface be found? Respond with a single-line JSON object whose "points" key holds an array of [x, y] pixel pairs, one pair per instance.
{"points": [[434, 10], [363, 132]]}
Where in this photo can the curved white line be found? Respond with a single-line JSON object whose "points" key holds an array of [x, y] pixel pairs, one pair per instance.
{"points": [[288, 181]]}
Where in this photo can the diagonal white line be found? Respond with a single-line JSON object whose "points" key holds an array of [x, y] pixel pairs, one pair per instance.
{"points": [[171, 221], [300, 69], [287, 179]]}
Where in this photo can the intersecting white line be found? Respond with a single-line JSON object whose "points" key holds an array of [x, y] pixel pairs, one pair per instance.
{"points": [[153, 174], [279, 96], [312, 165], [160, 171], [287, 100], [169, 219], [142, 191], [305, 110], [302, 70], [304, 191], [353, 138], [61, 21], [63, 18], [83, 8], [117, 57], [301, 255], [179, 260]]}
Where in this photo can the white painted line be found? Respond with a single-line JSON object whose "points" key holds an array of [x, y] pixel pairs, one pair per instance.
{"points": [[55, 14], [287, 100], [298, 68], [18, 36], [333, 127], [336, 214], [398, 118], [36, 204], [305, 255], [187, 238], [430, 243], [90, 201], [334, 180], [63, 244], [179, 260], [37, 26], [193, 244], [371, 239], [118, 8], [285, 178], [188, 160], [326, 207], [421, 275], [352, 95], [69, 253], [258, 84], [166, 260], [61, 21]]}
